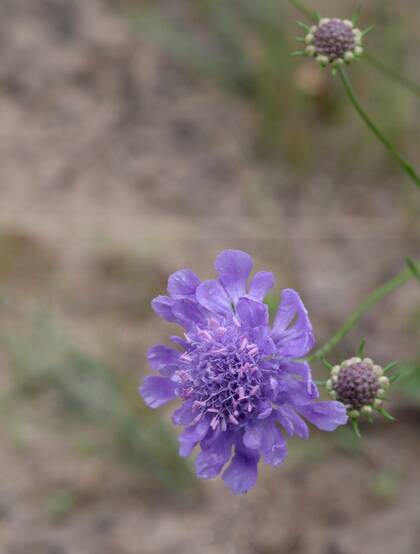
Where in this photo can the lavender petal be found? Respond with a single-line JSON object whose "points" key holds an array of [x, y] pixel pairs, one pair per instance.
{"points": [[157, 391], [234, 267]]}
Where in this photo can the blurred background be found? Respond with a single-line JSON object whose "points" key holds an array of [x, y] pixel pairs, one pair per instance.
{"points": [[141, 137]]}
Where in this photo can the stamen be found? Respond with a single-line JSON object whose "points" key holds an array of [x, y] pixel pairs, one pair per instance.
{"points": [[253, 351], [244, 344], [221, 376], [214, 423], [233, 419]]}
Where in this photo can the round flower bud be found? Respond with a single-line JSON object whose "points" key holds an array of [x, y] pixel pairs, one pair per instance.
{"points": [[322, 60], [359, 384], [384, 382], [335, 370], [334, 41], [367, 410], [378, 370]]}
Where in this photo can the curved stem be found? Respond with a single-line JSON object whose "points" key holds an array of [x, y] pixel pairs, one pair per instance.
{"points": [[405, 166], [361, 310], [392, 74]]}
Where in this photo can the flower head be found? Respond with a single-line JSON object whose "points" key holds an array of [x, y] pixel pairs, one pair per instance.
{"points": [[360, 385], [236, 376], [334, 41]]}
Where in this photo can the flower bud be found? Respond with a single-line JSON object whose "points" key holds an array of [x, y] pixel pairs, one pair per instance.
{"points": [[360, 385], [334, 41]]}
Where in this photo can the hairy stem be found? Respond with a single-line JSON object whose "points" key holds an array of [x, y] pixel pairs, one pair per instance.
{"points": [[362, 309], [405, 166]]}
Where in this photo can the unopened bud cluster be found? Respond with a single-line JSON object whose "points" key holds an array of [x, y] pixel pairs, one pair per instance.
{"points": [[359, 384], [334, 41]]}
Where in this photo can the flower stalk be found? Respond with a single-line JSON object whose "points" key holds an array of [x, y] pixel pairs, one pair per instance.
{"points": [[363, 308], [405, 166]]}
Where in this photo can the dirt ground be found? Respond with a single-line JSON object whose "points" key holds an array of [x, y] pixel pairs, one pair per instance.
{"points": [[117, 167]]}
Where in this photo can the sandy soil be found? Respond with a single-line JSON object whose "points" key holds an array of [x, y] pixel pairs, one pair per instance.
{"points": [[110, 151]]}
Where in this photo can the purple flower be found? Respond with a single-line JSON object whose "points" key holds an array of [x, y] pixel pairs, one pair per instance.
{"points": [[238, 377]]}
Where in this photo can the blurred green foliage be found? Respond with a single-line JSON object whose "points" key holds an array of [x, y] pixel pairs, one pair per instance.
{"points": [[409, 381], [385, 487], [92, 391], [24, 260]]}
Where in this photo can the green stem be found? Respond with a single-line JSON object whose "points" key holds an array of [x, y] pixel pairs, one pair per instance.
{"points": [[392, 74], [304, 10], [405, 166], [361, 310]]}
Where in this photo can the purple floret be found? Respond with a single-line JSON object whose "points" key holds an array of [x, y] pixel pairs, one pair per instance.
{"points": [[334, 39], [237, 376], [357, 385]]}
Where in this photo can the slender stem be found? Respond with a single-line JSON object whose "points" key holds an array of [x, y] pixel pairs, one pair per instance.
{"points": [[390, 72], [361, 310], [304, 10], [405, 166]]}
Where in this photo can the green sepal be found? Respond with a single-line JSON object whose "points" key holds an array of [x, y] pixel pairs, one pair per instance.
{"points": [[386, 414], [356, 16], [303, 26], [355, 427], [361, 349], [368, 30], [395, 377], [390, 366], [326, 363]]}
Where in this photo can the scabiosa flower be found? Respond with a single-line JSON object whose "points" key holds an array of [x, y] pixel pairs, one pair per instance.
{"points": [[360, 385], [333, 41], [237, 377]]}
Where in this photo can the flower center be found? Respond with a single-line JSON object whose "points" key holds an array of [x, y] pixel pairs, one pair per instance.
{"points": [[334, 39], [357, 385], [223, 375]]}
